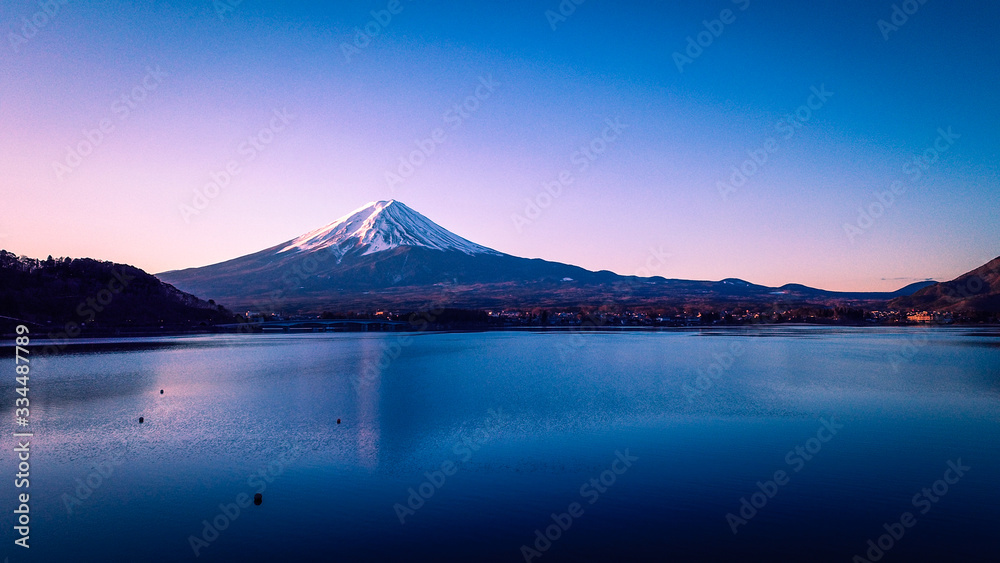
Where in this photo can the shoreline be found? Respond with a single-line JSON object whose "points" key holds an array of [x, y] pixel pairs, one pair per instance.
{"points": [[109, 336]]}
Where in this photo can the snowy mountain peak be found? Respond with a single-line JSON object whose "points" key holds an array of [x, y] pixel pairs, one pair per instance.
{"points": [[380, 226]]}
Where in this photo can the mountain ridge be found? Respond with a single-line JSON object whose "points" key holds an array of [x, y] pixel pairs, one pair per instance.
{"points": [[384, 254], [975, 290]]}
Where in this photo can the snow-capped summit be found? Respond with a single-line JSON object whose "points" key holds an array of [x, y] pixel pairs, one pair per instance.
{"points": [[380, 226]]}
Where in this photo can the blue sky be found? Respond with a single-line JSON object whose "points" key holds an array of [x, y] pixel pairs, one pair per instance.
{"points": [[208, 82]]}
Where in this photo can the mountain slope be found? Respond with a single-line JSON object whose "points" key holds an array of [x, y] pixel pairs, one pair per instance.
{"points": [[386, 255], [978, 290], [53, 294]]}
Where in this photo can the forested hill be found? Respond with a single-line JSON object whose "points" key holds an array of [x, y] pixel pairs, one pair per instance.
{"points": [[55, 296]]}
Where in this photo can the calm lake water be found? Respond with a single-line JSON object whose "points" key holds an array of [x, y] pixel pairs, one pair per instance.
{"points": [[640, 444]]}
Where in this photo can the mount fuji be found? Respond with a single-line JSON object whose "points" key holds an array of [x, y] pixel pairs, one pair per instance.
{"points": [[385, 255], [381, 226]]}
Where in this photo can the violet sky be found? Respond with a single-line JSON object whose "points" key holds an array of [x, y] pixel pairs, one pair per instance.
{"points": [[825, 107]]}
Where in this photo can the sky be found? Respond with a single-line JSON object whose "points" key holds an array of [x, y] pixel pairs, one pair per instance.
{"points": [[609, 135]]}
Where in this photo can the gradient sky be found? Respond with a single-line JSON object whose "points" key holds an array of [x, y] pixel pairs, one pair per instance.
{"points": [[221, 78]]}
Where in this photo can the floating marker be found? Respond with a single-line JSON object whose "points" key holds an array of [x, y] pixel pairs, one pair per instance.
{"points": [[258, 498], [338, 421], [161, 391], [140, 420]]}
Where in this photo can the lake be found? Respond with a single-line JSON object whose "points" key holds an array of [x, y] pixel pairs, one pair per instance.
{"points": [[776, 443]]}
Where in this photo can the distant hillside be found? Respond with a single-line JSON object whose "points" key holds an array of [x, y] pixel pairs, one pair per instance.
{"points": [[98, 296], [978, 290], [385, 255]]}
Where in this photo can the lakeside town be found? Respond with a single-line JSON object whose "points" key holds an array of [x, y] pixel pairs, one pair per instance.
{"points": [[511, 318]]}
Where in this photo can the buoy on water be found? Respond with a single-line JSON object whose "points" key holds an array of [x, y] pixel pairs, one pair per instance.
{"points": [[338, 421], [161, 391], [140, 420], [258, 498]]}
